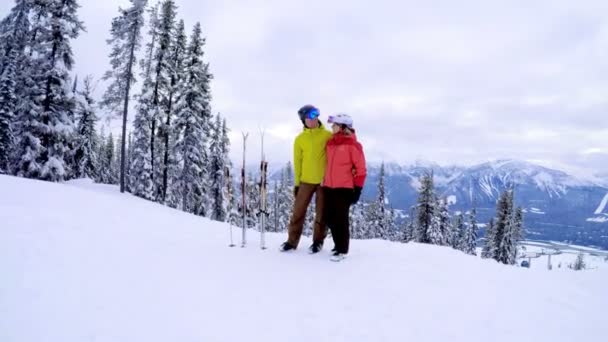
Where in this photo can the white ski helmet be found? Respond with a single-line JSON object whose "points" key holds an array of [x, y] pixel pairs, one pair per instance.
{"points": [[341, 119]]}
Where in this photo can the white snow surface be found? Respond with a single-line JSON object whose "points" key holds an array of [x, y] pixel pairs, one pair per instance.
{"points": [[87, 264], [600, 209], [598, 219]]}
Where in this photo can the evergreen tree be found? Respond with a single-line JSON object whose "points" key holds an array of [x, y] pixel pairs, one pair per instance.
{"points": [[129, 158], [44, 123], [518, 227], [157, 96], [176, 72], [489, 248], [231, 200], [141, 175], [285, 198], [378, 216], [425, 209], [216, 172], [438, 232], [107, 161], [85, 153], [458, 231], [358, 224], [141, 169], [579, 264], [125, 41], [191, 133], [8, 102], [273, 207], [253, 202], [116, 161], [445, 223], [14, 30], [468, 244], [505, 239], [151, 45], [410, 226]]}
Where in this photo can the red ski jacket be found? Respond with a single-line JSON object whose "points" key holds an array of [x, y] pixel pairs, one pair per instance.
{"points": [[345, 162]]}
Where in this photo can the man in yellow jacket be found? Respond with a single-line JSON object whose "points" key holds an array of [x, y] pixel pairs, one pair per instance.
{"points": [[309, 161]]}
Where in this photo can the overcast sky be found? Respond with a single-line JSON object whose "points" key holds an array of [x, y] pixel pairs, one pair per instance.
{"points": [[448, 81]]}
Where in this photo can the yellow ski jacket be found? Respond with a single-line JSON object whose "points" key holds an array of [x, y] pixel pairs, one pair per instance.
{"points": [[309, 157]]}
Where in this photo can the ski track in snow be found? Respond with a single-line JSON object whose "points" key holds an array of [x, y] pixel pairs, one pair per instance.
{"points": [[88, 264], [602, 206]]}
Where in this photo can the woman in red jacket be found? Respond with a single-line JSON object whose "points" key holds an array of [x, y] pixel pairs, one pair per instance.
{"points": [[343, 182]]}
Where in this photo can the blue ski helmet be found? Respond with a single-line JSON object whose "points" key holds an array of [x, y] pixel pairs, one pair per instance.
{"points": [[308, 112]]}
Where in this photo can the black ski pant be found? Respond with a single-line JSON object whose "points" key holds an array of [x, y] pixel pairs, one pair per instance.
{"points": [[337, 207]]}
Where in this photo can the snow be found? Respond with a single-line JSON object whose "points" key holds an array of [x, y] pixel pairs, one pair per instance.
{"points": [[598, 219], [594, 259], [80, 263], [602, 205], [536, 211], [452, 200]]}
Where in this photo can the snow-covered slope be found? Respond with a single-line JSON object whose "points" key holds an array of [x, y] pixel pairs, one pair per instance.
{"points": [[81, 263]]}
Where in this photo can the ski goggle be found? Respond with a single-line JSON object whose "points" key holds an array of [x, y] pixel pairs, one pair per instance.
{"points": [[313, 114]]}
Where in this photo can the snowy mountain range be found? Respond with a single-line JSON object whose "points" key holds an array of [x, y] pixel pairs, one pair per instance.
{"points": [[558, 205]]}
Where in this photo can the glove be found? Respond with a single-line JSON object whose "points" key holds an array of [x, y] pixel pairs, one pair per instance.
{"points": [[356, 195], [295, 191]]}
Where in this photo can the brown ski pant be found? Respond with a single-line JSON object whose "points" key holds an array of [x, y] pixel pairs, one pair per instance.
{"points": [[302, 201]]}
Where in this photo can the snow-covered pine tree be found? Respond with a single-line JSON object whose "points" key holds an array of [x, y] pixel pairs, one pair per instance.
{"points": [[518, 220], [436, 230], [285, 198], [216, 172], [445, 222], [45, 124], [116, 161], [425, 209], [158, 95], [141, 176], [506, 246], [272, 224], [176, 74], [152, 43], [468, 243], [192, 110], [107, 161], [229, 198], [129, 165], [253, 200], [458, 231], [489, 249], [14, 30], [86, 153], [358, 226], [580, 263], [394, 233], [378, 216], [141, 168], [410, 226], [8, 101], [125, 41], [13, 38]]}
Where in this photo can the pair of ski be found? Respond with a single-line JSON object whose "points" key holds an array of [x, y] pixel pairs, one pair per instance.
{"points": [[262, 212]]}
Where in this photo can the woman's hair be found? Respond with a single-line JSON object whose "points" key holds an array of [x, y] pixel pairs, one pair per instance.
{"points": [[346, 130]]}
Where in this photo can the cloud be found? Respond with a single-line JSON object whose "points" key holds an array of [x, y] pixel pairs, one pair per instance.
{"points": [[455, 82]]}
